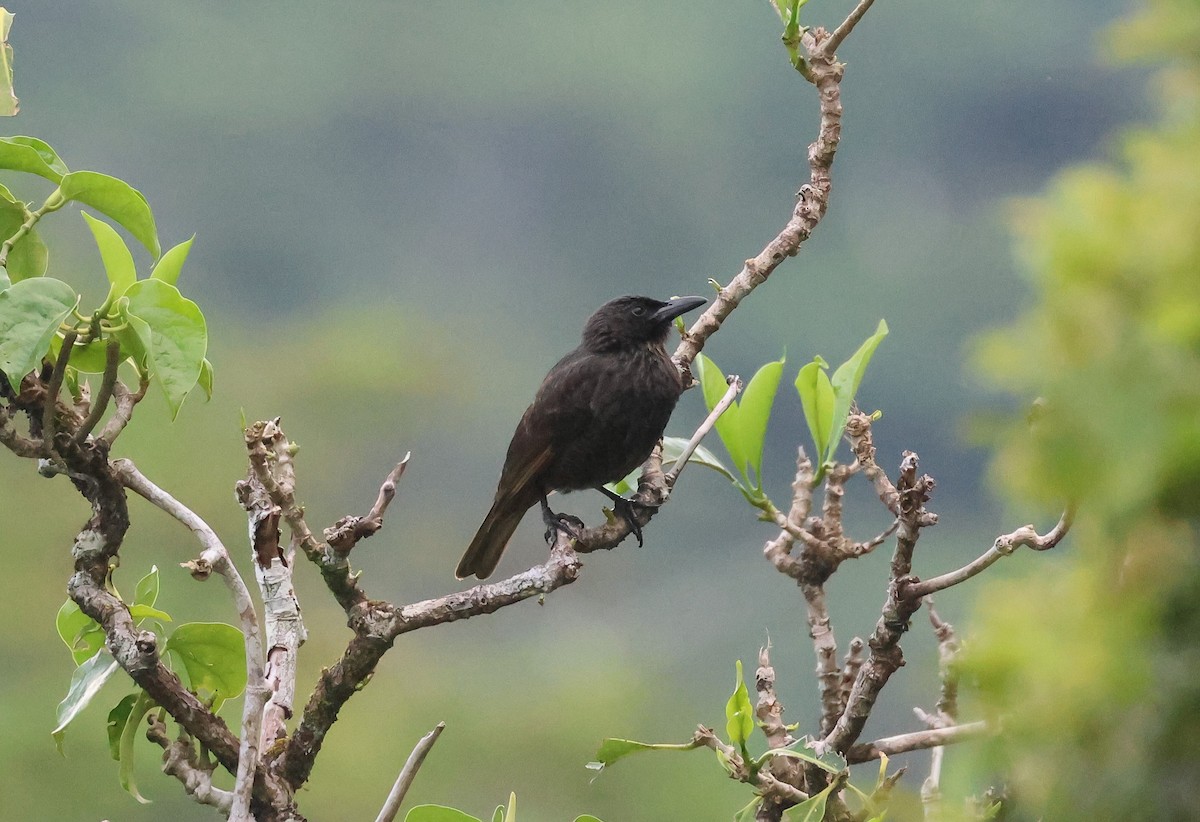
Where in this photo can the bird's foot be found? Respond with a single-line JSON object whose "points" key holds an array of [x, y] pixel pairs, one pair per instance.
{"points": [[567, 524], [623, 508]]}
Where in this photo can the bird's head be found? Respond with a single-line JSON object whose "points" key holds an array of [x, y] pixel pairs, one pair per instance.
{"points": [[629, 322]]}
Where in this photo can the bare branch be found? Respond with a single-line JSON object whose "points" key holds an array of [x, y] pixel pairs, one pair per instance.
{"points": [[214, 558], [50, 408], [19, 445], [735, 388], [347, 531], [112, 360], [1004, 545], [917, 741], [181, 762], [123, 411], [847, 26], [408, 773]]}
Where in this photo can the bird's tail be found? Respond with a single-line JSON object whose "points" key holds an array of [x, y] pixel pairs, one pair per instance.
{"points": [[490, 540]]}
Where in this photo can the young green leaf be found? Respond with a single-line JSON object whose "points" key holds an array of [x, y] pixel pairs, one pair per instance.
{"points": [[587, 817], [86, 682], [141, 612], [206, 378], [714, 386], [177, 336], [672, 449], [613, 749], [816, 396], [114, 254], [89, 358], [82, 634], [753, 412], [846, 381], [511, 815], [437, 813], [168, 267], [832, 763], [498, 814], [739, 713], [146, 590], [28, 257], [118, 718], [116, 199], [32, 155], [811, 809], [747, 813], [30, 313], [140, 707], [214, 656]]}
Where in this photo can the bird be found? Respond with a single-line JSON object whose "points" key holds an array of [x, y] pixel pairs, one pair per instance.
{"points": [[597, 415]]}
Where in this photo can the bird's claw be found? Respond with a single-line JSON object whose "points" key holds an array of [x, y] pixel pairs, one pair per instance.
{"points": [[623, 508], [567, 524]]}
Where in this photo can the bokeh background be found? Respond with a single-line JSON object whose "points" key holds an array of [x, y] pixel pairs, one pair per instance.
{"points": [[404, 211]]}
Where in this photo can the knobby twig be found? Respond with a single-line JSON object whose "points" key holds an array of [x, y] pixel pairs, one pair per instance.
{"points": [[214, 558], [181, 762], [50, 409], [124, 401], [408, 773], [1004, 545], [347, 531]]}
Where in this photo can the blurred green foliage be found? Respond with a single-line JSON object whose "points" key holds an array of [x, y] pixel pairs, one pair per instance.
{"points": [[1093, 663]]}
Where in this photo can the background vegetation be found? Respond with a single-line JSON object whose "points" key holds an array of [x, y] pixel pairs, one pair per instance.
{"points": [[403, 215]]}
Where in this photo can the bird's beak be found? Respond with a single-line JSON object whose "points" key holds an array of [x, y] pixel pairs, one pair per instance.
{"points": [[676, 307]]}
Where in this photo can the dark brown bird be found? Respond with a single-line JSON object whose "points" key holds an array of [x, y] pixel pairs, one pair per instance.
{"points": [[597, 416]]}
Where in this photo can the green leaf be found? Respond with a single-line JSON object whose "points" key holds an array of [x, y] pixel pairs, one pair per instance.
{"points": [[739, 713], [133, 721], [140, 612], [8, 98], [5, 282], [816, 395], [613, 749], [753, 412], [672, 449], [587, 817], [498, 814], [30, 313], [714, 386], [832, 763], [167, 269], [437, 813], [118, 717], [89, 359], [206, 378], [845, 383], [86, 682], [82, 634], [511, 816], [118, 261], [747, 813], [811, 809], [146, 590], [177, 336], [28, 257], [32, 155], [135, 336], [116, 199], [214, 656]]}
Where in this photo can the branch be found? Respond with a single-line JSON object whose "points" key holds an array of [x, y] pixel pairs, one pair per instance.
{"points": [[123, 411], [214, 558], [19, 445], [347, 531], [735, 388], [813, 200], [180, 761], [847, 26], [1004, 545], [112, 360], [408, 773], [50, 408], [886, 656], [377, 627], [917, 741]]}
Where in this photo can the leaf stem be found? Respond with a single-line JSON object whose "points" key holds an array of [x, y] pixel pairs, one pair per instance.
{"points": [[53, 203]]}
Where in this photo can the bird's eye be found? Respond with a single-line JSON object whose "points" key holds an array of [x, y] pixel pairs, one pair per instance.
{"points": [[638, 310]]}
